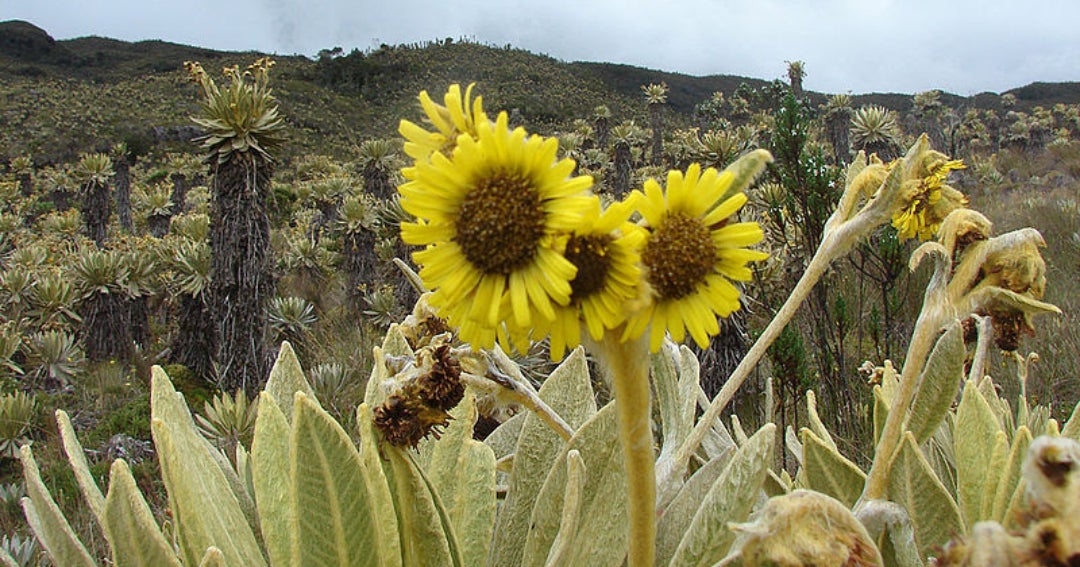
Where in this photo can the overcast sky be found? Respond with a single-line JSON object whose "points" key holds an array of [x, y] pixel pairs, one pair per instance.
{"points": [[964, 47]]}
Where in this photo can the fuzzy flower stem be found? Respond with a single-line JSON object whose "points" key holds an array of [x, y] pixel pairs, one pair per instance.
{"points": [[841, 234], [982, 348], [922, 342], [628, 366], [516, 392], [818, 264]]}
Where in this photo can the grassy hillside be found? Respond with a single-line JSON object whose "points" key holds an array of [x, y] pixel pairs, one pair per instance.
{"points": [[65, 97]]}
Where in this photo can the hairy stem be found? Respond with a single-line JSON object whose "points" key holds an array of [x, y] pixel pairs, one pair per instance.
{"points": [[818, 264], [518, 393], [628, 365], [934, 313]]}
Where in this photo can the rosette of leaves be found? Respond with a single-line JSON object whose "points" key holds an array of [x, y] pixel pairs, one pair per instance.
{"points": [[10, 342], [155, 204], [874, 129], [191, 226], [64, 224], [53, 358], [22, 551], [18, 413], [101, 279], [229, 421], [54, 302], [326, 194], [358, 223], [338, 388], [93, 173], [243, 116], [379, 161], [291, 319], [16, 291], [192, 344], [143, 282]]}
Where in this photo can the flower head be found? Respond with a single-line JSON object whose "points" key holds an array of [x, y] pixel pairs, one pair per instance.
{"points": [[692, 253], [928, 200], [458, 115], [604, 248], [491, 216]]}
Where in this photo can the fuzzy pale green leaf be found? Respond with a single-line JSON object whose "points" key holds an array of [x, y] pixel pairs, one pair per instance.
{"points": [[503, 440], [134, 536], [286, 379], [212, 558], [993, 469], [1072, 427], [462, 473], [816, 426], [204, 506], [427, 539], [708, 539], [676, 381], [675, 518], [913, 484], [95, 500], [744, 170], [976, 429], [1009, 482], [562, 547], [601, 537], [829, 472], [881, 412], [938, 384], [47, 522], [382, 501], [334, 520], [270, 476], [568, 391]]}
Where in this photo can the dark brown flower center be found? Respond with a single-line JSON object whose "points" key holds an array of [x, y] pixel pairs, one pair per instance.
{"points": [[589, 254], [500, 223], [679, 254]]}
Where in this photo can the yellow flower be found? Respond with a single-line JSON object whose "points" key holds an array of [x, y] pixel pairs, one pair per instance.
{"points": [[604, 248], [929, 200], [490, 216], [459, 115], [692, 253]]}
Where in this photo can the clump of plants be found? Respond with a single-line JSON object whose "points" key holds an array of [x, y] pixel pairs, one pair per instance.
{"points": [[514, 250]]}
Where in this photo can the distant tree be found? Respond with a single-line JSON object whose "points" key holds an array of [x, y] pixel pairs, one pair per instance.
{"points": [[656, 98], [122, 161], [23, 168], [243, 126], [796, 71], [601, 125], [94, 172], [874, 130], [378, 160], [928, 114], [622, 137], [837, 127]]}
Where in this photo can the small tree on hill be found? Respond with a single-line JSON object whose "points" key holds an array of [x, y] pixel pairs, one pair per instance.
{"points": [[242, 128]]}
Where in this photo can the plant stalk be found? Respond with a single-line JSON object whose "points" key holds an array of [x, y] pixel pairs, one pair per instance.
{"points": [[516, 392], [628, 367], [923, 338], [818, 264]]}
